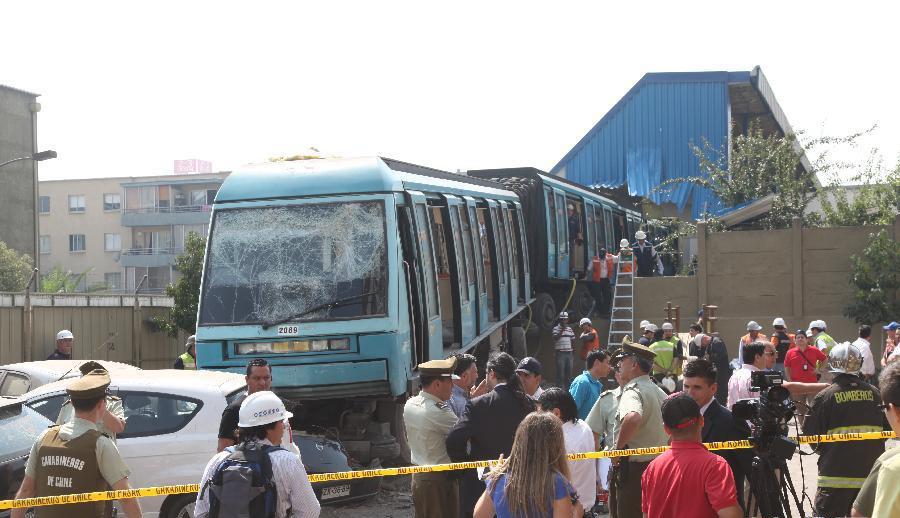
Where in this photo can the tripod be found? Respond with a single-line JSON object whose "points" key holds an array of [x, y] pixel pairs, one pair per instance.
{"points": [[770, 481]]}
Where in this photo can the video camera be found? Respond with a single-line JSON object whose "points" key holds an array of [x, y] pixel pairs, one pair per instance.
{"points": [[769, 414]]}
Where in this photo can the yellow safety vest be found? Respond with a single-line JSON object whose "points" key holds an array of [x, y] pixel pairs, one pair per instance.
{"points": [[189, 361]]}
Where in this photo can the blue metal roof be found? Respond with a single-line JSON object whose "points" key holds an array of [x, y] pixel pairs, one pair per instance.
{"points": [[645, 138]]}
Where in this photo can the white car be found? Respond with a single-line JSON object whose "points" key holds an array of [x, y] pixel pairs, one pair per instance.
{"points": [[18, 378], [172, 421]]}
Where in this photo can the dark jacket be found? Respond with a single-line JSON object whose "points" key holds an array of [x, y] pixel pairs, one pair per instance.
{"points": [[848, 405], [718, 355], [489, 422], [719, 425]]}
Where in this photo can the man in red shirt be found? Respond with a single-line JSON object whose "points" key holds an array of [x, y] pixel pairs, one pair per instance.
{"points": [[801, 364], [687, 480]]}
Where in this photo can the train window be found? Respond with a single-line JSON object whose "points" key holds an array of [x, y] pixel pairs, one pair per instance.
{"points": [[466, 231], [462, 272], [502, 248], [514, 231], [600, 229], [477, 245], [520, 227], [562, 224], [440, 243], [610, 235], [590, 239], [514, 250], [427, 259], [551, 233], [488, 263]]}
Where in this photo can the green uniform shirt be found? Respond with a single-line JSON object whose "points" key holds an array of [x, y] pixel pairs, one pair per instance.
{"points": [[428, 420], [602, 417], [644, 397], [112, 466], [865, 499], [113, 404], [665, 353]]}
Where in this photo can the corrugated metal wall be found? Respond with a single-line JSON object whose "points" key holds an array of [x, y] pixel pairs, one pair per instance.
{"points": [[645, 138]]}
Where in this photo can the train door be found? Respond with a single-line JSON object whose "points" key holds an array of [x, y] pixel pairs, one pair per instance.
{"points": [[432, 325], [611, 240], [552, 234], [522, 242], [464, 275], [501, 253], [415, 283], [600, 230], [491, 261], [469, 220], [562, 228], [512, 251], [590, 238]]}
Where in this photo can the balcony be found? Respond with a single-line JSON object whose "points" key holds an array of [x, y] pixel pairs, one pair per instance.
{"points": [[149, 257], [162, 216]]}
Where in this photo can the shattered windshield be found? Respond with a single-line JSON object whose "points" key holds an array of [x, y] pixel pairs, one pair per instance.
{"points": [[269, 263]]}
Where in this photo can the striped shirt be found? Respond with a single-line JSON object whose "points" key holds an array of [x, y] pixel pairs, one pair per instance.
{"points": [[295, 494]]}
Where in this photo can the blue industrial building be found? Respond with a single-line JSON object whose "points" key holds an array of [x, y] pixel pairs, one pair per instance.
{"points": [[645, 138]]}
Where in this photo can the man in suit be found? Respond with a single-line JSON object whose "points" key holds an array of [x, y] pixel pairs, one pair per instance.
{"points": [[718, 423], [488, 425], [712, 348]]}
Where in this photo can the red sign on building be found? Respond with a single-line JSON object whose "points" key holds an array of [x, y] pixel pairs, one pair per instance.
{"points": [[192, 165]]}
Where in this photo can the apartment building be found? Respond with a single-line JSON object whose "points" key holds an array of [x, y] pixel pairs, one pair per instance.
{"points": [[116, 230]]}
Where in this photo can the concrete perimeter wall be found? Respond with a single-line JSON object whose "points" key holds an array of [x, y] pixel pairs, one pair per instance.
{"points": [[105, 328], [799, 274]]}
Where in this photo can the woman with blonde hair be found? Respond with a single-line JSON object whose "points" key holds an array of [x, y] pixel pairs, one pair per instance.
{"points": [[533, 481]]}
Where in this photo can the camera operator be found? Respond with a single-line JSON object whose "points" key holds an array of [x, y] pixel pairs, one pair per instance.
{"points": [[754, 358], [849, 405]]}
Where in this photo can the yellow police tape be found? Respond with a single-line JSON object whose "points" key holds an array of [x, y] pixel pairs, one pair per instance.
{"points": [[390, 472]]}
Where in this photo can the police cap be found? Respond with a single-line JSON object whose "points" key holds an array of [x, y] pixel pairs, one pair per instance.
{"points": [[91, 385], [89, 366], [439, 368], [636, 349]]}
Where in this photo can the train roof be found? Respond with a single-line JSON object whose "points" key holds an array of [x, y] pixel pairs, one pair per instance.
{"points": [[337, 176], [617, 196]]}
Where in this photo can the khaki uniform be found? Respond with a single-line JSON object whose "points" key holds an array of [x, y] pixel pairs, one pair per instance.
{"points": [[74, 458], [644, 397], [113, 405], [428, 421]]}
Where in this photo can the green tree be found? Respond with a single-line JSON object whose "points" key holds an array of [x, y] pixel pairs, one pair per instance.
{"points": [[186, 291], [15, 269], [875, 278], [876, 201], [59, 281]]}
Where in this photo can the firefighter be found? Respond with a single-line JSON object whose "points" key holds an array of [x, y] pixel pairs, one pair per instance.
{"points": [[849, 405]]}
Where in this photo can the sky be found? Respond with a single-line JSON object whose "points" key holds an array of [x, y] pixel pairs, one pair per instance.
{"points": [[127, 87]]}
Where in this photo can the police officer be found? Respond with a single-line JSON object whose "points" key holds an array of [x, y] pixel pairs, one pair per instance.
{"points": [[849, 405], [188, 360], [428, 419], [77, 458], [602, 421], [112, 421], [638, 425]]}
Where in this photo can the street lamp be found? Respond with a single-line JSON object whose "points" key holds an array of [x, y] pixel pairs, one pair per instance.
{"points": [[40, 156]]}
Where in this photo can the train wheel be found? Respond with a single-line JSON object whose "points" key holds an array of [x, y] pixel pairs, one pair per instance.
{"points": [[544, 311], [582, 302]]}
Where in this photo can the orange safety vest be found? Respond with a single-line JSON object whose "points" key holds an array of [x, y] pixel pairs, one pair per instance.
{"points": [[593, 345], [595, 268], [626, 265]]}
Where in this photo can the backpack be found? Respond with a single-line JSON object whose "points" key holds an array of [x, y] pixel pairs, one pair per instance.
{"points": [[242, 485]]}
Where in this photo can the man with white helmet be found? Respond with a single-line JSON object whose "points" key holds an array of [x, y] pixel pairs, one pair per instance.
{"points": [[188, 360], [64, 342], [228, 478], [646, 256], [783, 342], [626, 256], [753, 335], [849, 405], [562, 347], [822, 341]]}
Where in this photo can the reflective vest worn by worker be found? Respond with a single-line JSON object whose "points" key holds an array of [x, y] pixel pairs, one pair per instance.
{"points": [[596, 265], [665, 355], [674, 339], [189, 361], [66, 467], [826, 340], [782, 342], [590, 341]]}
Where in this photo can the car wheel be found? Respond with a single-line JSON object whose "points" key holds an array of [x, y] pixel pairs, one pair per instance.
{"points": [[180, 506]]}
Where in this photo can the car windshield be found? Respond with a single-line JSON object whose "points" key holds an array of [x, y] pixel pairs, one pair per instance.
{"points": [[21, 426], [269, 263]]}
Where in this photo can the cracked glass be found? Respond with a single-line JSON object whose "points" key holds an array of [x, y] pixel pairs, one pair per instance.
{"points": [[270, 263]]}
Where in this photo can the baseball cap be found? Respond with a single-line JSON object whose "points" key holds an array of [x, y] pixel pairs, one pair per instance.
{"points": [[680, 410], [65, 334], [893, 326], [800, 332], [529, 365]]}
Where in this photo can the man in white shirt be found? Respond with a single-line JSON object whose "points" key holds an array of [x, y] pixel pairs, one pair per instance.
{"points": [[865, 348], [578, 438], [754, 358]]}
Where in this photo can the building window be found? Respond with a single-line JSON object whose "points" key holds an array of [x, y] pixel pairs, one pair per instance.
{"points": [[112, 201], [76, 242], [76, 203], [112, 242], [44, 244], [198, 197], [44, 204], [113, 280]]}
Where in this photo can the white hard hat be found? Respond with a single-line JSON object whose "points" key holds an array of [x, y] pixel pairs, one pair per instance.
{"points": [[651, 327], [845, 358], [817, 324], [667, 326], [262, 408], [623, 243], [563, 314], [191, 342], [753, 326], [778, 322], [640, 235], [644, 324], [65, 334], [584, 321]]}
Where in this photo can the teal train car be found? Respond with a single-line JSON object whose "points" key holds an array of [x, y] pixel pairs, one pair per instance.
{"points": [[345, 274]]}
